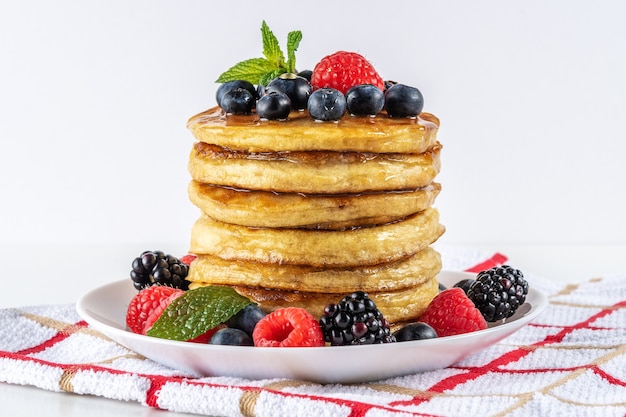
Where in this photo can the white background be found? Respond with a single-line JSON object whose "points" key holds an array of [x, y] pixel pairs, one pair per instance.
{"points": [[95, 95]]}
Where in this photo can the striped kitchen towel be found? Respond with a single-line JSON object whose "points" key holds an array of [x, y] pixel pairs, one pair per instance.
{"points": [[570, 361]]}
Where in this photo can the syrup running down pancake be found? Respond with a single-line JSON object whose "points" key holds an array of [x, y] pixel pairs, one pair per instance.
{"points": [[255, 208], [319, 248], [313, 172]]}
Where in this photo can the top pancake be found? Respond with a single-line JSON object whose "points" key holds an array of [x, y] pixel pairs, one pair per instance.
{"points": [[380, 134]]}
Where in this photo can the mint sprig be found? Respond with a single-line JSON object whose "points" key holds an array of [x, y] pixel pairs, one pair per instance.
{"points": [[263, 70], [197, 311]]}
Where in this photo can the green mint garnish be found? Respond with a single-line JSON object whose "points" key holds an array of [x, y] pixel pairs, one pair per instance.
{"points": [[197, 311], [263, 70]]}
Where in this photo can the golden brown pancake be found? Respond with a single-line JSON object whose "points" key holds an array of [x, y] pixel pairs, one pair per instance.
{"points": [[380, 134], [316, 211], [390, 276], [320, 248], [397, 306], [314, 172]]}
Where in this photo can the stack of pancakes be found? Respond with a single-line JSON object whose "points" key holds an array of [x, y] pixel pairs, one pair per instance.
{"points": [[301, 213]]}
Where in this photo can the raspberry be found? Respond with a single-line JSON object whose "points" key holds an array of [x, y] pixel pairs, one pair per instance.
{"points": [[451, 312], [288, 327], [343, 70], [498, 292], [206, 336], [148, 305], [188, 259], [156, 312], [144, 303]]}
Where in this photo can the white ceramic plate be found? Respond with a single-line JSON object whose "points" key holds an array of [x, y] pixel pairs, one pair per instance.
{"points": [[104, 308]]}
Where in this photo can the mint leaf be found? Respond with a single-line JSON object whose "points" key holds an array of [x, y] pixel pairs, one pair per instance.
{"points": [[197, 311], [263, 70], [271, 48], [293, 41], [266, 78], [250, 70]]}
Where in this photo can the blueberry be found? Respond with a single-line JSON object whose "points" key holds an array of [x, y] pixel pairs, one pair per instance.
{"points": [[231, 85], [365, 100], [389, 83], [464, 284], [327, 104], [237, 101], [297, 88], [246, 319], [306, 74], [273, 106], [415, 331], [403, 101], [232, 337], [260, 91], [442, 287]]}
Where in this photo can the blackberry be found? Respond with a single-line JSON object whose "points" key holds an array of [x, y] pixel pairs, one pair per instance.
{"points": [[157, 268], [498, 292], [355, 320]]}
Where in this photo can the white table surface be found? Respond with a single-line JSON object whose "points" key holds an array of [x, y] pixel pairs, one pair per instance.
{"points": [[59, 274]]}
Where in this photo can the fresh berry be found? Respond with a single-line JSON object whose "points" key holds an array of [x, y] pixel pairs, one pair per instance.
{"points": [[415, 331], [355, 320], [205, 337], [327, 104], [145, 302], [247, 318], [498, 292], [232, 337], [306, 74], [288, 327], [188, 259], [389, 83], [297, 88], [451, 313], [403, 101], [465, 284], [237, 101], [442, 287], [273, 106], [158, 310], [157, 268], [343, 70], [365, 100], [231, 85]]}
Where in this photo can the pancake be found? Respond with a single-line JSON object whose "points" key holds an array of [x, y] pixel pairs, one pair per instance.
{"points": [[319, 248], [268, 209], [397, 306], [380, 134], [314, 172], [390, 276]]}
